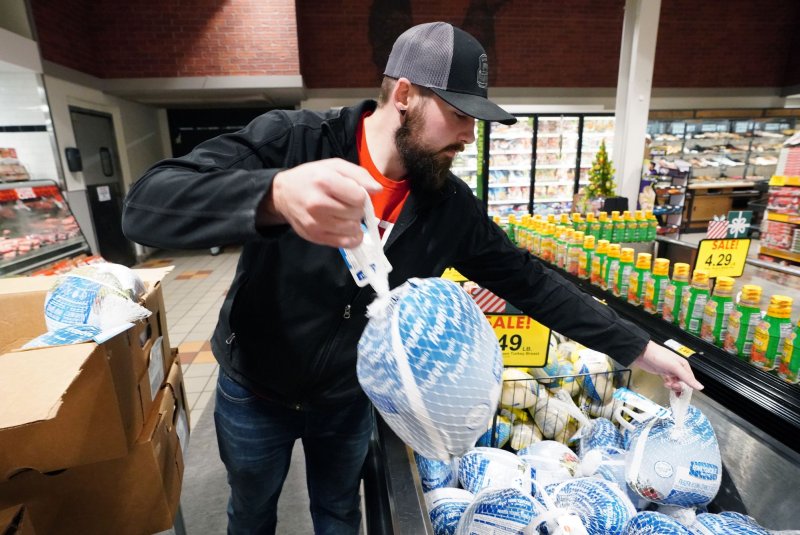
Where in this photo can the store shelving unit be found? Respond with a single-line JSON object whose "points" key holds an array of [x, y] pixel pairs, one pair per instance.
{"points": [[780, 236], [670, 188], [510, 168]]}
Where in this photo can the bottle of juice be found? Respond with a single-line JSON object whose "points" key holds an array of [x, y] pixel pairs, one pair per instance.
{"points": [[496, 220], [511, 228], [561, 246], [652, 226], [694, 302], [605, 227], [673, 295], [578, 223], [617, 227], [574, 252], [641, 225], [717, 311], [771, 333], [523, 233], [598, 262], [639, 278], [611, 266], [536, 236], [563, 219], [585, 259], [630, 231], [551, 218], [592, 226], [742, 323], [656, 286], [789, 368], [547, 245], [623, 278]]}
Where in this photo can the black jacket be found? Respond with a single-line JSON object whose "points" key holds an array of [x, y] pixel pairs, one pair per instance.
{"points": [[290, 323]]}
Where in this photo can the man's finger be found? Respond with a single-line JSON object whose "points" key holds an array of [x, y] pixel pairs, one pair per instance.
{"points": [[358, 174]]}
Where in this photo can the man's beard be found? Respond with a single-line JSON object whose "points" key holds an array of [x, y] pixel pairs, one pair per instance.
{"points": [[427, 169]]}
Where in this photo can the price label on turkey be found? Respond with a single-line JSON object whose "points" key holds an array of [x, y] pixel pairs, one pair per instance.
{"points": [[523, 341], [722, 258]]}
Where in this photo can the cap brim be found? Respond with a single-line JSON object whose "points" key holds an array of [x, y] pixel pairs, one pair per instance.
{"points": [[475, 106]]}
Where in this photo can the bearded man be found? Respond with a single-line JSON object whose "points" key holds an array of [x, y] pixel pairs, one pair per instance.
{"points": [[290, 188]]}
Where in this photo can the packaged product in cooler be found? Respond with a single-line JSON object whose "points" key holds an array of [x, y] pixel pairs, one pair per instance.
{"points": [[520, 389], [523, 434], [550, 461], [104, 295], [609, 463], [633, 411], [435, 474], [491, 467], [551, 418], [502, 433], [654, 523], [729, 523], [593, 368], [430, 363], [602, 506], [445, 507], [499, 510], [675, 460]]}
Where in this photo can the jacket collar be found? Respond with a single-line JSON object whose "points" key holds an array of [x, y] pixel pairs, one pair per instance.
{"points": [[341, 130]]}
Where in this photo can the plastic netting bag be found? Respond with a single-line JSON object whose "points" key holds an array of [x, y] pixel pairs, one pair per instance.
{"points": [[601, 505], [654, 523]]}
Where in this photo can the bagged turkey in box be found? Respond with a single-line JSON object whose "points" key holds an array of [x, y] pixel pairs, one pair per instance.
{"points": [[675, 460]]}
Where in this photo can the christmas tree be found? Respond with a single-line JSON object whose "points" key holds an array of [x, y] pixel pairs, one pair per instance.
{"points": [[601, 175]]}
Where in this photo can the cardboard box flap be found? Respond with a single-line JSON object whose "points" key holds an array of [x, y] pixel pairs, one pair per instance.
{"points": [[151, 276], [16, 285], [33, 383]]}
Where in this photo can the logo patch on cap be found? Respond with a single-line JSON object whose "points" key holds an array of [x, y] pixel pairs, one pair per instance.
{"points": [[483, 71]]}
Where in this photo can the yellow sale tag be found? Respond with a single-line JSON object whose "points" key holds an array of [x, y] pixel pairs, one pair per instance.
{"points": [[722, 258], [679, 348], [453, 275], [524, 341]]}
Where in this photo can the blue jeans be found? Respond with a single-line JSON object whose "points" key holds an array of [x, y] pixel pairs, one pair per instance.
{"points": [[255, 440]]}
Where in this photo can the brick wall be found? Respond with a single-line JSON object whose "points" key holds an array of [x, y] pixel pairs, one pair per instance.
{"points": [[154, 38], [344, 43]]}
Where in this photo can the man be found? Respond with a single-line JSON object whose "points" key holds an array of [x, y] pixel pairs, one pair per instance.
{"points": [[290, 187]]}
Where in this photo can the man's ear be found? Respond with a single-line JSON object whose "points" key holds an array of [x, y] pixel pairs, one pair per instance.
{"points": [[401, 94]]}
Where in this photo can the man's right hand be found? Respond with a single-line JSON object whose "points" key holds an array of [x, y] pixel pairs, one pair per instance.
{"points": [[323, 201]]}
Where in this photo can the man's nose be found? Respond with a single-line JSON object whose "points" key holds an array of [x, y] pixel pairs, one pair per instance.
{"points": [[468, 134]]}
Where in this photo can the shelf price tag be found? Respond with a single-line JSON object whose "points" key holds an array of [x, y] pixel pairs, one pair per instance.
{"points": [[523, 341], [722, 258], [679, 348]]}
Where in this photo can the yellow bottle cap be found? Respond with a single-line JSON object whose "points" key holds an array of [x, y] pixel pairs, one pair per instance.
{"points": [[564, 219], [626, 254], [512, 218], [568, 234], [700, 278], [751, 293], [661, 266], [603, 217], [643, 260], [780, 306], [577, 237], [616, 217], [649, 215], [613, 250], [576, 218], [588, 242], [680, 271], [614, 213], [724, 285], [627, 216], [496, 219], [551, 218], [590, 218], [639, 214], [602, 246]]}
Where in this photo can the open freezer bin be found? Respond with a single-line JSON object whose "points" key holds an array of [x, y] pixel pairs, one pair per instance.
{"points": [[760, 477]]}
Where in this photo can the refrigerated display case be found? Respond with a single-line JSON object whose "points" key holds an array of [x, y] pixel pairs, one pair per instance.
{"points": [[36, 227], [470, 164], [510, 153]]}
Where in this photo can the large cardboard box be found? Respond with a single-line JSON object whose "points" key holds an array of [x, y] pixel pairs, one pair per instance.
{"points": [[15, 521], [136, 495], [90, 400]]}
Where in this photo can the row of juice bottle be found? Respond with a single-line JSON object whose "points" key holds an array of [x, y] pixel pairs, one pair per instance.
{"points": [[617, 227], [765, 340]]}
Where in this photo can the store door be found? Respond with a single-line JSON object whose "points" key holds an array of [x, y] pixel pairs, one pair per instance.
{"points": [[94, 137]]}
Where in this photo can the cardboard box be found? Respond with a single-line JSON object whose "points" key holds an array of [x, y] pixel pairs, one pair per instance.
{"points": [[137, 494], [60, 395], [15, 521]]}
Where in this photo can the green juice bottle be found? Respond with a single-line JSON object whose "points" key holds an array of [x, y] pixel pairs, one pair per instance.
{"points": [[789, 368], [574, 250], [617, 227], [623, 278], [598, 262], [547, 252], [656, 286], [630, 231], [673, 295], [771, 333], [611, 266], [578, 224], [586, 257], [536, 237], [592, 226], [652, 226], [561, 246], [742, 323], [606, 228], [639, 278], [511, 228], [641, 226], [694, 302], [718, 311]]}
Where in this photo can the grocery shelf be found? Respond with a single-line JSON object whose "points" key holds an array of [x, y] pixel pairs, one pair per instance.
{"points": [[779, 253], [784, 218]]}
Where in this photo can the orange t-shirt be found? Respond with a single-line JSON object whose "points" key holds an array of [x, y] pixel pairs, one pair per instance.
{"points": [[389, 201]]}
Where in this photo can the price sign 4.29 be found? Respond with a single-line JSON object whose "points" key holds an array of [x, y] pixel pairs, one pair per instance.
{"points": [[722, 258]]}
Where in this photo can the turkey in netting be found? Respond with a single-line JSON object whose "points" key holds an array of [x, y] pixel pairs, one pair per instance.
{"points": [[431, 364]]}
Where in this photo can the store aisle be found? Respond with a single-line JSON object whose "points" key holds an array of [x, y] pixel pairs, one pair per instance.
{"points": [[193, 294]]}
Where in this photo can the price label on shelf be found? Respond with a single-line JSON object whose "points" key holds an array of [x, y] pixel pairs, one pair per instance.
{"points": [[523, 341], [679, 348], [25, 193], [722, 258]]}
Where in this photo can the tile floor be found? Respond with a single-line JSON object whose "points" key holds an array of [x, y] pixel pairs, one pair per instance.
{"points": [[193, 294]]}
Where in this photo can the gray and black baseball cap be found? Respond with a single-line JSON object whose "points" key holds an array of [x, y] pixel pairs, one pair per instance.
{"points": [[451, 63]]}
